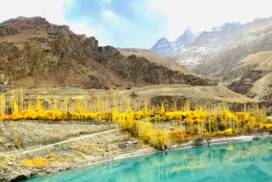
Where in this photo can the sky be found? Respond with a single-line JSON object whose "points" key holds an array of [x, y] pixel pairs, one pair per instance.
{"points": [[137, 23]]}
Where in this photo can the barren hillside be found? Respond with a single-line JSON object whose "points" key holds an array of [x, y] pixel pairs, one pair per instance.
{"points": [[193, 93], [253, 37], [35, 53], [155, 58], [253, 76], [244, 65]]}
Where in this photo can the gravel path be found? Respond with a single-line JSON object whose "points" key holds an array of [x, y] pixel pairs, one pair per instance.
{"points": [[50, 146]]}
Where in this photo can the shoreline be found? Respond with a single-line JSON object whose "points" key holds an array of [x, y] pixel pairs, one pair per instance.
{"points": [[149, 151]]}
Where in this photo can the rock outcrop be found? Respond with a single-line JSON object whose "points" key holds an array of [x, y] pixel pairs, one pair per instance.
{"points": [[253, 77], [35, 53]]}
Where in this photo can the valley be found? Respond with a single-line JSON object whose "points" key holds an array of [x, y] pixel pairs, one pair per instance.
{"points": [[67, 102], [235, 55]]}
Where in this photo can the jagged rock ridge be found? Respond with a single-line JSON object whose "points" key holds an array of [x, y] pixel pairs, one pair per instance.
{"points": [[35, 53], [191, 49]]}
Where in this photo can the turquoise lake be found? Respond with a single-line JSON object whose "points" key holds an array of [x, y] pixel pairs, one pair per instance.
{"points": [[232, 162]]}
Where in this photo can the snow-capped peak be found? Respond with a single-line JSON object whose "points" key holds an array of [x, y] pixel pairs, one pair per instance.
{"points": [[166, 48]]}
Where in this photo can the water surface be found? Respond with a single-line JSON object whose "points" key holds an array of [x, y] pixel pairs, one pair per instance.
{"points": [[242, 161]]}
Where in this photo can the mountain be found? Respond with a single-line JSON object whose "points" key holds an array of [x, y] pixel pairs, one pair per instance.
{"points": [[236, 55], [244, 65], [166, 48], [252, 76], [163, 47], [218, 37], [222, 91], [35, 53], [207, 45], [191, 49], [184, 40], [155, 58], [253, 37]]}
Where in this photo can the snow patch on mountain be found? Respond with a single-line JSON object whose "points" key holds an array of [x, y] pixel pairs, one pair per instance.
{"points": [[191, 49], [165, 47]]}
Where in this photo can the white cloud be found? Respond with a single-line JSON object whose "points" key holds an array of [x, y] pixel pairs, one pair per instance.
{"points": [[84, 28], [52, 10], [198, 14], [114, 20], [108, 14], [204, 14]]}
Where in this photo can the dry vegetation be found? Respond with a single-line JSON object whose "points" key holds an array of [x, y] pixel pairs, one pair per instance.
{"points": [[49, 130], [158, 126]]}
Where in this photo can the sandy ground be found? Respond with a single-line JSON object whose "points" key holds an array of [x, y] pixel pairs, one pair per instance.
{"points": [[33, 133], [207, 93], [61, 145]]}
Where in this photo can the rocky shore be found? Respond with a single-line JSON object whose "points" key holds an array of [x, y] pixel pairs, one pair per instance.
{"points": [[30, 148], [80, 150]]}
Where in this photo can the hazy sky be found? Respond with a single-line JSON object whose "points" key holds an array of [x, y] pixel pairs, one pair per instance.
{"points": [[137, 23]]}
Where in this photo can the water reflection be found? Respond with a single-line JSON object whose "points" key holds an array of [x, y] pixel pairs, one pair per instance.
{"points": [[247, 161]]}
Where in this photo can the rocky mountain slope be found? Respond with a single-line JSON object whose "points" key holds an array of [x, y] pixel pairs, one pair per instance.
{"points": [[164, 47], [237, 55], [191, 49], [253, 76], [253, 37], [245, 64], [35, 53], [155, 58], [207, 45]]}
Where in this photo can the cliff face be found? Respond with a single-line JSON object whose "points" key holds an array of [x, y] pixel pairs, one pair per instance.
{"points": [[35, 53]]}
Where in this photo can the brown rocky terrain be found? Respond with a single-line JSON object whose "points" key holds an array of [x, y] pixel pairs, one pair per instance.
{"points": [[51, 63], [33, 148], [252, 37], [244, 65], [35, 53], [155, 58], [153, 94], [192, 49], [43, 133], [253, 76]]}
